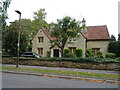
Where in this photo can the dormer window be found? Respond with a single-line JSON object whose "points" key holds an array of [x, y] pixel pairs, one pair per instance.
{"points": [[40, 39]]}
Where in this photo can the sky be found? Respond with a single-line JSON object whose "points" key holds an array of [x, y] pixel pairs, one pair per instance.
{"points": [[95, 12]]}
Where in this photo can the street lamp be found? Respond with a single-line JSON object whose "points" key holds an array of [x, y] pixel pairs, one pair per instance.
{"points": [[18, 49]]}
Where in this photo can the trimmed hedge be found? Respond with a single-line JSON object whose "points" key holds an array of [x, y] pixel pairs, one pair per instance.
{"points": [[99, 54], [89, 52], [66, 51], [110, 55], [79, 52], [82, 60], [71, 55]]}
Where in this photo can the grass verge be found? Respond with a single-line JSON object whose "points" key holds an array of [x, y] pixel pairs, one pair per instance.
{"points": [[61, 72]]}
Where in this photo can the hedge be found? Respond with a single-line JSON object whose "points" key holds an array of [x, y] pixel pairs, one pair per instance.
{"points": [[66, 51], [79, 52], [110, 55], [82, 60]]}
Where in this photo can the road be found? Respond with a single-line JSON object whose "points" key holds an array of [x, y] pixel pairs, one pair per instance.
{"points": [[29, 81]]}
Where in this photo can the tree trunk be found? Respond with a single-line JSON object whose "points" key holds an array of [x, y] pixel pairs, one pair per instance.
{"points": [[62, 52]]}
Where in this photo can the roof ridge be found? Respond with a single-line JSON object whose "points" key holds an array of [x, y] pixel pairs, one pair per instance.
{"points": [[97, 26]]}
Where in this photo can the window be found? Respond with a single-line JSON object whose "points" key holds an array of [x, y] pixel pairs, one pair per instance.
{"points": [[96, 50], [72, 39], [40, 39], [72, 49], [40, 51]]}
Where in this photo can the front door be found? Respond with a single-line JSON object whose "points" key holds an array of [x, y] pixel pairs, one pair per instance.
{"points": [[56, 52]]}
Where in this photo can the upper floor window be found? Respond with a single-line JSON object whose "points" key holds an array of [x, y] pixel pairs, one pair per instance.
{"points": [[40, 39], [72, 40]]}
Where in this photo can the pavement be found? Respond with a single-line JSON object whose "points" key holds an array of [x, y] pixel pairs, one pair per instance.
{"points": [[65, 69]]}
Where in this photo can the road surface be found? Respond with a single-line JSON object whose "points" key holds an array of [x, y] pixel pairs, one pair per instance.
{"points": [[29, 81]]}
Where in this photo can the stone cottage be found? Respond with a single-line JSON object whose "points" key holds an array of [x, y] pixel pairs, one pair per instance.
{"points": [[95, 37]]}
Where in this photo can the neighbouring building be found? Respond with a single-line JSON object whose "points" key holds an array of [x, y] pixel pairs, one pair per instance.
{"points": [[95, 37]]}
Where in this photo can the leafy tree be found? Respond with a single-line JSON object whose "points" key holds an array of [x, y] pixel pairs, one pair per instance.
{"points": [[10, 37], [112, 38], [119, 37], [114, 46], [39, 19], [63, 30], [3, 11]]}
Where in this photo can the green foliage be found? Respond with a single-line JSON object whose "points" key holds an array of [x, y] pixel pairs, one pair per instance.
{"points": [[48, 53], [110, 55], [10, 37], [89, 52], [114, 47], [71, 55], [119, 37], [39, 19], [99, 54], [63, 30], [3, 11], [66, 51], [79, 52], [112, 38], [81, 60]]}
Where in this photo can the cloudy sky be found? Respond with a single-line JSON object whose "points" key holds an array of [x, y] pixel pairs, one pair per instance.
{"points": [[95, 12]]}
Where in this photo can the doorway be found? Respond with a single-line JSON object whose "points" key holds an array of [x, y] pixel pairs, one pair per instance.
{"points": [[56, 52]]}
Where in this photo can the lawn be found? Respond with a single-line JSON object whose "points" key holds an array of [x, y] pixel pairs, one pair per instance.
{"points": [[61, 72]]}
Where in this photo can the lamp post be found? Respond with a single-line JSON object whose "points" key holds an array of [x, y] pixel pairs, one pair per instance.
{"points": [[18, 49]]}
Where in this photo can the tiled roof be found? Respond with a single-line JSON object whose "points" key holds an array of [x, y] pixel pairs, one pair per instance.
{"points": [[96, 33], [91, 33], [47, 33]]}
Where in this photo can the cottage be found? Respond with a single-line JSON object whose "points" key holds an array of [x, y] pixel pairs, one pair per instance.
{"points": [[95, 37]]}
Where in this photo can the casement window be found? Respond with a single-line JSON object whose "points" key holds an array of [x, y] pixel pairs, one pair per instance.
{"points": [[96, 50], [40, 51], [72, 40], [72, 49], [40, 39]]}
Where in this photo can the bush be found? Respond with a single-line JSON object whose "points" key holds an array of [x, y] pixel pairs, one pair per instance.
{"points": [[110, 55], [79, 52], [99, 54], [66, 51], [71, 55], [48, 53], [89, 52]]}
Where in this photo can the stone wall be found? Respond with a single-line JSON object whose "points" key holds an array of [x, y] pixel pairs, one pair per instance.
{"points": [[66, 64]]}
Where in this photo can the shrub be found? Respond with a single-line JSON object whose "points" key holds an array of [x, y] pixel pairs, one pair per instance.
{"points": [[89, 52], [79, 52], [110, 55], [71, 55], [66, 51], [48, 53], [99, 54]]}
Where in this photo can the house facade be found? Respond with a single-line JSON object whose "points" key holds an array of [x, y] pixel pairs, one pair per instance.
{"points": [[95, 37]]}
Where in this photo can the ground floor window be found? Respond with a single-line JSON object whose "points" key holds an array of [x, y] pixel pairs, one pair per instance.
{"points": [[72, 49], [96, 50], [40, 51]]}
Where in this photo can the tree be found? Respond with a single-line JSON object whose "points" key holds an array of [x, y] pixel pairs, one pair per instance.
{"points": [[112, 38], [119, 37], [3, 11], [63, 30], [10, 37], [114, 46], [39, 19]]}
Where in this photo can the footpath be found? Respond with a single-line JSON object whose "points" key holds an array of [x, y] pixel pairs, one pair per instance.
{"points": [[65, 69]]}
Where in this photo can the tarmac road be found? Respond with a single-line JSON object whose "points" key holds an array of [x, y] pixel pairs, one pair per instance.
{"points": [[29, 81]]}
